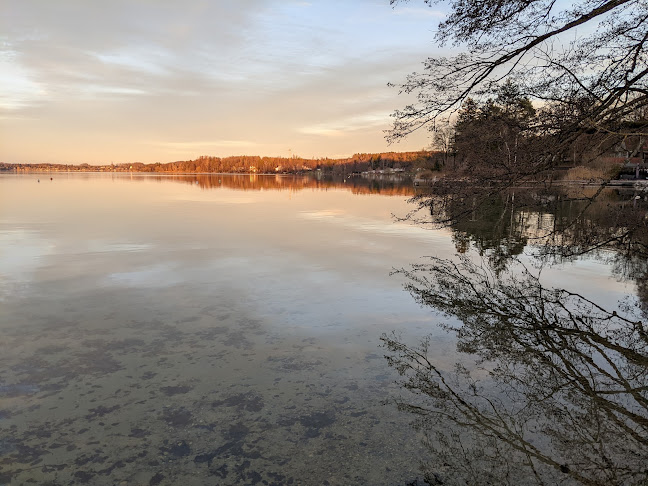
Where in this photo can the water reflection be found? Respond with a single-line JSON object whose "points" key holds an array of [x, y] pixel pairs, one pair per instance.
{"points": [[566, 221], [560, 226], [153, 332], [158, 332], [557, 392], [388, 185]]}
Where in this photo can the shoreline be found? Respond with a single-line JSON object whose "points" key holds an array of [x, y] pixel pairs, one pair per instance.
{"points": [[404, 176]]}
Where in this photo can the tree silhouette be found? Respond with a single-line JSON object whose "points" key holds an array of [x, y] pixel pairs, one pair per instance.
{"points": [[587, 60]]}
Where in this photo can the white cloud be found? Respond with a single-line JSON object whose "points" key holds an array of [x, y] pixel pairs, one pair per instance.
{"points": [[203, 144], [343, 126], [163, 76], [17, 88], [150, 61], [420, 12]]}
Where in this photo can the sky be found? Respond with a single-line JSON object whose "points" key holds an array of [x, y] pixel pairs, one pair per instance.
{"points": [[121, 81]]}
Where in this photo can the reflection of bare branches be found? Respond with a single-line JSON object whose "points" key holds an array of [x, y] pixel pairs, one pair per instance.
{"points": [[559, 224], [571, 220], [566, 398]]}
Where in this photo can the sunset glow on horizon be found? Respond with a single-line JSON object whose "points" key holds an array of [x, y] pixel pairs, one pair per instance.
{"points": [[126, 81]]}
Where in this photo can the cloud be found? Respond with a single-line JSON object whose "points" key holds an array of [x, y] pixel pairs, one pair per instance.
{"points": [[149, 61], [17, 88], [162, 77], [420, 12], [345, 126], [205, 144]]}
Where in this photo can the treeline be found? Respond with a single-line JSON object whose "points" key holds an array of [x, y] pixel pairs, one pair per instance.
{"points": [[506, 137], [364, 162]]}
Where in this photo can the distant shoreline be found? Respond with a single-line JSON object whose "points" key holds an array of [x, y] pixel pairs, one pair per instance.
{"points": [[386, 162], [402, 176]]}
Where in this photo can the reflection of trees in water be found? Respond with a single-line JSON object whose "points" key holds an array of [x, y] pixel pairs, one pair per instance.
{"points": [[495, 229], [566, 221], [560, 394], [560, 224], [253, 182], [563, 393]]}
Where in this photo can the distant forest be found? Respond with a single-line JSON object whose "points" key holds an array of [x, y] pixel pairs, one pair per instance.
{"points": [[388, 161]]}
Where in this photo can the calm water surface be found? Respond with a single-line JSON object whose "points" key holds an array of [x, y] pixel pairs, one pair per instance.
{"points": [[157, 330]]}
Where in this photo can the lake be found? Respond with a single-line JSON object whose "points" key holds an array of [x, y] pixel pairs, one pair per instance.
{"points": [[216, 329]]}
